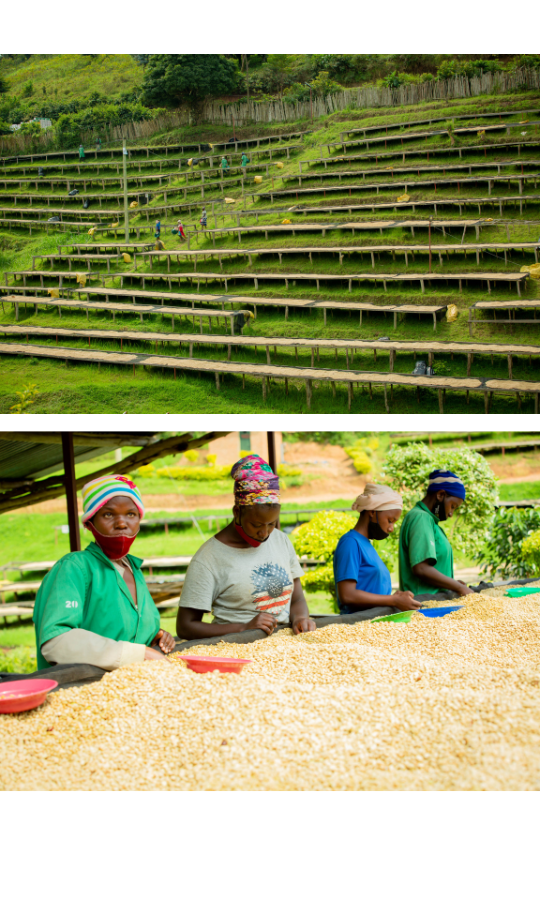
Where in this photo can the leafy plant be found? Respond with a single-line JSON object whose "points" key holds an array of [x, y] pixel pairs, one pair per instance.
{"points": [[21, 660], [191, 455], [26, 398], [510, 550], [406, 470], [146, 471]]}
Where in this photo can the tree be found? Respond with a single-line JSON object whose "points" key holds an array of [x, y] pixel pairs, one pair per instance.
{"points": [[279, 65], [176, 78], [4, 86]]}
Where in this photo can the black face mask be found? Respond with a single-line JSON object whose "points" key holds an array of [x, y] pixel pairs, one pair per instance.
{"points": [[440, 511], [375, 532]]}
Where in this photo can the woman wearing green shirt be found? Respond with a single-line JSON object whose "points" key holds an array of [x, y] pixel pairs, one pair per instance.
{"points": [[94, 606], [426, 562]]}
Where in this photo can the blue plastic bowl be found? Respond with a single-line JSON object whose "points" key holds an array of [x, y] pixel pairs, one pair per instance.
{"points": [[435, 611]]}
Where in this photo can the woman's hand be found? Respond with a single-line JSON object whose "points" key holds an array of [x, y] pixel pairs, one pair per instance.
{"points": [[151, 654], [164, 640], [265, 621], [404, 600], [463, 589], [303, 623]]}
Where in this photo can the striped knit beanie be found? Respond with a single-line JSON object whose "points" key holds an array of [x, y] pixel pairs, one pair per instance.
{"points": [[254, 482], [97, 493], [444, 480]]}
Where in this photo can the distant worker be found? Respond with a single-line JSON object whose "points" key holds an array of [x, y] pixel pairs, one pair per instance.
{"points": [[202, 220], [180, 230], [157, 234], [81, 152], [224, 164], [98, 143], [245, 159]]}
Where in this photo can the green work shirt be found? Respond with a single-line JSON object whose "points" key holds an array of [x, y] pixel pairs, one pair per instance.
{"points": [[245, 160], [84, 590], [421, 539], [224, 164]]}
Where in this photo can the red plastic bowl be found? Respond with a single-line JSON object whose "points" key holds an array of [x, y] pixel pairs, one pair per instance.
{"points": [[18, 696], [214, 663]]}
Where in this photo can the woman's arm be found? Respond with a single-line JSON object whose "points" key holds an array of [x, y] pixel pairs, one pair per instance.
{"points": [[300, 619], [350, 596], [81, 646], [431, 575], [189, 624]]}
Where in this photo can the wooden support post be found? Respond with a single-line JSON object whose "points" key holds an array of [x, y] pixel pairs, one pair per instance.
{"points": [[441, 403], [71, 491], [308, 392]]}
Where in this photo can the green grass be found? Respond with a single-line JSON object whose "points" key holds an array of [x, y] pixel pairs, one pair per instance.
{"points": [[68, 76], [521, 490]]}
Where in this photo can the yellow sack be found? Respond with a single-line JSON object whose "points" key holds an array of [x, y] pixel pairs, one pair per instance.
{"points": [[190, 162], [114, 225], [229, 200], [133, 205], [286, 222], [534, 270], [258, 179], [126, 257], [488, 220], [159, 245], [53, 292], [279, 165], [211, 146], [481, 134], [403, 198], [452, 313], [389, 167], [81, 279], [92, 231], [524, 122]]}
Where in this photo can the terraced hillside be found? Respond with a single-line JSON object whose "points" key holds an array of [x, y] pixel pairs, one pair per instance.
{"points": [[333, 264]]}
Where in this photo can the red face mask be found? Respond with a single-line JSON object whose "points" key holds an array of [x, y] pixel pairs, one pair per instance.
{"points": [[115, 546], [253, 542]]}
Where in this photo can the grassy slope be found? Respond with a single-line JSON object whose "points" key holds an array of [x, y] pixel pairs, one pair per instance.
{"points": [[72, 76], [79, 387]]}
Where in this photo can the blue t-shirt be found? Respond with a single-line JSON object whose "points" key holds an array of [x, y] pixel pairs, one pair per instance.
{"points": [[357, 560]]}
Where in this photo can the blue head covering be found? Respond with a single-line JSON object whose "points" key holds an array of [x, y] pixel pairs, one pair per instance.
{"points": [[444, 480]]}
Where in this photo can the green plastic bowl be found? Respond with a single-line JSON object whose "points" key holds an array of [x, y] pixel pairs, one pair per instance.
{"points": [[396, 617], [522, 591]]}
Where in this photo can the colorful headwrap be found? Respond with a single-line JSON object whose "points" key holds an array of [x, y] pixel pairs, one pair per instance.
{"points": [[97, 493], [444, 480], [254, 482], [378, 496]]}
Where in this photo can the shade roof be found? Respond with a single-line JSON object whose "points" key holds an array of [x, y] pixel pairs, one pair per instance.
{"points": [[26, 456]]}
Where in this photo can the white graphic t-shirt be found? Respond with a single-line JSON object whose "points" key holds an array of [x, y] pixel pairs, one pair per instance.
{"points": [[236, 584]]}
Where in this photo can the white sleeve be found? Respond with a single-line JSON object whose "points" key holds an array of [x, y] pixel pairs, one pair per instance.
{"points": [[80, 646]]}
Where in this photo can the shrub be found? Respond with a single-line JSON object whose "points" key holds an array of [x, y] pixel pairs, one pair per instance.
{"points": [[510, 550], [21, 660], [146, 471], [530, 552], [194, 473], [191, 455], [284, 470], [211, 459]]}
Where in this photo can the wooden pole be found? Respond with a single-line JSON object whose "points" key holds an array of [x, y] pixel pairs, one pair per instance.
{"points": [[126, 211], [71, 491]]}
